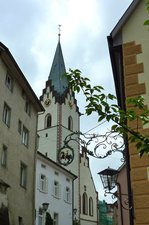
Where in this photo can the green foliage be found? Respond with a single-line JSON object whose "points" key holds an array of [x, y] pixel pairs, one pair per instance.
{"points": [[104, 105], [147, 7]]}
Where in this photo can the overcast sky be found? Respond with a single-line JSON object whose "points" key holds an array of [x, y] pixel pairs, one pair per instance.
{"points": [[29, 28]]}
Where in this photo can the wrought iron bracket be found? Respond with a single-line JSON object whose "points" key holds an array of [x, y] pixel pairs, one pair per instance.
{"points": [[103, 145]]}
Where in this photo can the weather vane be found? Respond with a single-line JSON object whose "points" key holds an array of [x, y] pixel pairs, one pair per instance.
{"points": [[59, 29]]}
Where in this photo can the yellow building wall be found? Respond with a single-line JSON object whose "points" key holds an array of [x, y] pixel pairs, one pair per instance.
{"points": [[136, 77]]}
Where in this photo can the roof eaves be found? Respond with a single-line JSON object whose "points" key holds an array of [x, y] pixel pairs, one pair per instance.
{"points": [[41, 155], [124, 18], [4, 50]]}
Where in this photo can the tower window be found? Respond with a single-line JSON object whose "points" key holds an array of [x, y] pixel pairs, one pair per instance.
{"points": [[48, 120], [70, 123]]}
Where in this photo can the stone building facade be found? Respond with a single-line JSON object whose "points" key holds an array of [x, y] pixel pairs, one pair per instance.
{"points": [[18, 130], [129, 52]]}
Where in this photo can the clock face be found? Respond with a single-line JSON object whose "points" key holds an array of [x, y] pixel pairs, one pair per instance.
{"points": [[47, 102]]}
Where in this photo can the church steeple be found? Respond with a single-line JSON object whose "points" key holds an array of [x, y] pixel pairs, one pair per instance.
{"points": [[58, 81]]}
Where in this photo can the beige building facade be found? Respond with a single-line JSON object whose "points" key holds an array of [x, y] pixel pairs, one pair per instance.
{"points": [[18, 121], [129, 51]]}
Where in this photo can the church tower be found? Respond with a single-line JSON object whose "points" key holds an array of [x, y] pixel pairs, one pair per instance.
{"points": [[60, 118]]}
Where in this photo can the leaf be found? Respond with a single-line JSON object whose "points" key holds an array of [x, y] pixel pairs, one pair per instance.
{"points": [[112, 97], [146, 22]]}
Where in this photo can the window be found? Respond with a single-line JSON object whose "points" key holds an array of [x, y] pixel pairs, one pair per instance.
{"points": [[6, 114], [85, 188], [85, 203], [48, 121], [55, 219], [56, 190], [4, 156], [68, 195], [9, 82], [20, 219], [70, 123], [90, 206], [43, 183], [25, 136], [40, 217], [19, 126], [23, 175], [27, 107]]}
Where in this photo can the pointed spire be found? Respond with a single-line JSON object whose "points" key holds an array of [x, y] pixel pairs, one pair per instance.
{"points": [[58, 69]]}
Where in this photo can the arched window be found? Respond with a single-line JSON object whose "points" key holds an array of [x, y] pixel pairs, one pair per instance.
{"points": [[90, 206], [70, 123], [48, 120], [85, 203]]}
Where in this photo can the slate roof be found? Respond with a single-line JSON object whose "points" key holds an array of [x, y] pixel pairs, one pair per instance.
{"points": [[58, 82]]}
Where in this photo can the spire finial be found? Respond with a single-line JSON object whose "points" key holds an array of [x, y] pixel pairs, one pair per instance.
{"points": [[59, 33]]}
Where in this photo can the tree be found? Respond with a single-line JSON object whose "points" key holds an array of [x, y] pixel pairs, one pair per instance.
{"points": [[106, 108]]}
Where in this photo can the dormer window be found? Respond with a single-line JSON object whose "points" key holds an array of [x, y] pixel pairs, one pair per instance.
{"points": [[70, 123]]}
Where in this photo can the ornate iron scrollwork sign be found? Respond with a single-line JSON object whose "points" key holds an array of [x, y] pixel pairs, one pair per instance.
{"points": [[104, 145]]}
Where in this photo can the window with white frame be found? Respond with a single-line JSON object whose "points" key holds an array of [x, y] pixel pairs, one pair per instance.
{"points": [[4, 156], [68, 195], [43, 185], [23, 175], [55, 219], [9, 82], [25, 136], [56, 189], [6, 114]]}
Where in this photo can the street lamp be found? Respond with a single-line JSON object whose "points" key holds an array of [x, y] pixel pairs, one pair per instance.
{"points": [[45, 206], [109, 178]]}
